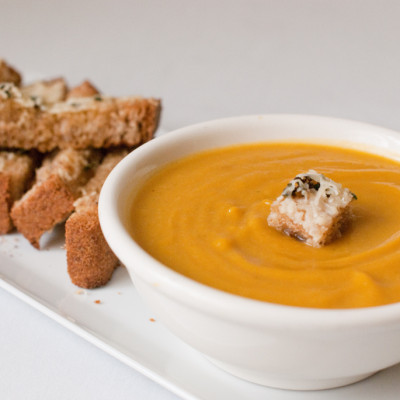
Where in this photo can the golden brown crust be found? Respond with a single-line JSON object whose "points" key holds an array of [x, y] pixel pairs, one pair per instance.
{"points": [[9, 74], [85, 89], [51, 198], [91, 190], [90, 260], [16, 173], [5, 220], [50, 203], [339, 225], [103, 124]]}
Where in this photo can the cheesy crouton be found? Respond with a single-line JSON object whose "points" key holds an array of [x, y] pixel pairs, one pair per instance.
{"points": [[312, 208]]}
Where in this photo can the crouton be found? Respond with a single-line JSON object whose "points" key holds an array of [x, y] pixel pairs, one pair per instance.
{"points": [[85, 89], [16, 172], [98, 121], [312, 208], [46, 92], [51, 199], [90, 260], [9, 74]]}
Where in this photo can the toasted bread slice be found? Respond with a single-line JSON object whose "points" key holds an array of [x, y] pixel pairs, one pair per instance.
{"points": [[51, 199], [98, 121], [16, 172], [47, 92], [90, 260], [9, 74]]}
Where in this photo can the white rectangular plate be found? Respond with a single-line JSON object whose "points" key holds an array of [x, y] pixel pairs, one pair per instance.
{"points": [[123, 327]]}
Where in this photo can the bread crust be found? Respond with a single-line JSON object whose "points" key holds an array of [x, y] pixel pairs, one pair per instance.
{"points": [[90, 260], [9, 74], [85, 89], [50, 203], [285, 224], [51, 198], [16, 173], [5, 220]]}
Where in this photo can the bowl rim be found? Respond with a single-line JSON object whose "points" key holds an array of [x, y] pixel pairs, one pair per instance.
{"points": [[205, 298]]}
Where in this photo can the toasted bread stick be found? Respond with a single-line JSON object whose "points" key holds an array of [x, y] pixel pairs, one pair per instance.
{"points": [[98, 121], [17, 168], [51, 199], [90, 260], [16, 172]]}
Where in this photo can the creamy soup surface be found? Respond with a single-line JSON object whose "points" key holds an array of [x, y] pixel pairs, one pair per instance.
{"points": [[205, 216]]}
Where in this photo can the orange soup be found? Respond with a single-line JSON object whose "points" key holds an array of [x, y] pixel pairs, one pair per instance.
{"points": [[205, 216]]}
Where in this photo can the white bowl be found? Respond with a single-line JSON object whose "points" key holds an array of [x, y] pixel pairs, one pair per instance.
{"points": [[270, 344]]}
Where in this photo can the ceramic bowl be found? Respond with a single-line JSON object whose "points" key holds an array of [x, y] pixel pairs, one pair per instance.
{"points": [[270, 344]]}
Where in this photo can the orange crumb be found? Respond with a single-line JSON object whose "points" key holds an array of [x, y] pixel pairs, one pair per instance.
{"points": [[152, 320], [97, 301]]}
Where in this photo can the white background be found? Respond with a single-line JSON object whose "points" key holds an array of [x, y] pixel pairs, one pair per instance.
{"points": [[205, 59]]}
